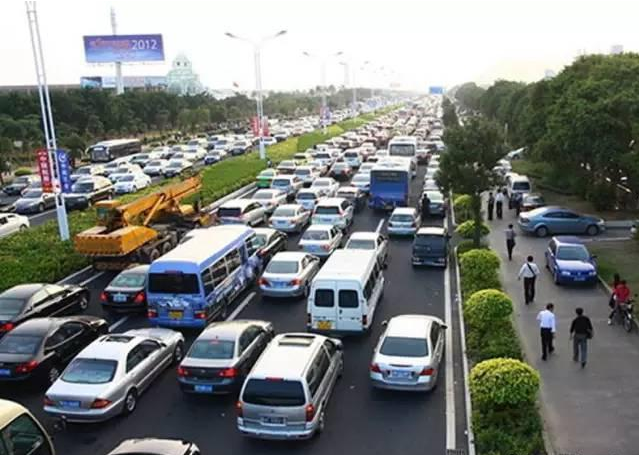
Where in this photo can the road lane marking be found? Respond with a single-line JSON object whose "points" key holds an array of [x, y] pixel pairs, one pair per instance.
{"points": [[451, 434], [47, 212], [241, 306], [118, 323], [73, 275], [380, 225], [94, 277]]}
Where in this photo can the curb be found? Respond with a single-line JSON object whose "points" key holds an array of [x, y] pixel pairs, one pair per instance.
{"points": [[452, 209]]}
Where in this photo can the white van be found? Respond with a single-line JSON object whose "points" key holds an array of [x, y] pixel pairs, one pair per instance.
{"points": [[518, 184], [345, 292]]}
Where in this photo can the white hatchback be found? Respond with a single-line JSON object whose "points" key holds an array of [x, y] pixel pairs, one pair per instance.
{"points": [[321, 239]]}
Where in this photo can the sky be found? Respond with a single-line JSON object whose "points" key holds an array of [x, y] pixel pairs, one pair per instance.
{"points": [[411, 43]]}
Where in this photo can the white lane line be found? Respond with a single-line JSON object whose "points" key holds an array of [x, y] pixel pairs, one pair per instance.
{"points": [[380, 225], [451, 436], [94, 277], [39, 215], [73, 275], [241, 306], [118, 323]]}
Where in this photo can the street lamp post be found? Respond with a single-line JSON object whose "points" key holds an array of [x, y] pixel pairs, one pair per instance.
{"points": [[323, 61], [350, 81], [257, 57]]}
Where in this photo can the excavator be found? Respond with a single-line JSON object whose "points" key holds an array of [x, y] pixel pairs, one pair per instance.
{"points": [[142, 230]]}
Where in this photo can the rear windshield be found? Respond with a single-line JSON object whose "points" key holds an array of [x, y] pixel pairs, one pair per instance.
{"points": [[90, 371], [281, 182], [321, 183], [282, 267], [351, 155], [521, 186], [402, 218], [315, 235], [348, 299], [327, 210], [284, 211], [129, 280], [302, 172], [20, 344], [11, 307], [274, 392], [212, 349], [263, 195], [323, 156], [306, 196], [360, 244], [173, 283], [404, 347], [324, 298], [361, 178], [232, 212], [433, 241], [155, 163]]}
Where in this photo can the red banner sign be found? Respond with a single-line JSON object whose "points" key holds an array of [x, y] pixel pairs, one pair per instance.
{"points": [[44, 169], [255, 126], [265, 131]]}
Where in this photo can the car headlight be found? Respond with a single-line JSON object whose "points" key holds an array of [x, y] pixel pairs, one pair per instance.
{"points": [[592, 272], [565, 273]]}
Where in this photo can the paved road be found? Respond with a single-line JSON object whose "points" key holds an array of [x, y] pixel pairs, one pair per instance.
{"points": [[587, 412], [359, 421]]}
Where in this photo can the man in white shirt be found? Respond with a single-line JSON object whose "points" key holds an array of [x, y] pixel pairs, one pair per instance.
{"points": [[499, 204], [529, 271], [547, 326]]}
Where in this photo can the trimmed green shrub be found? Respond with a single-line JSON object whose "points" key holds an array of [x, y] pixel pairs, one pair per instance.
{"points": [[22, 171], [467, 229], [498, 384], [479, 268], [486, 307], [516, 431], [466, 245], [309, 140], [498, 340], [463, 208]]}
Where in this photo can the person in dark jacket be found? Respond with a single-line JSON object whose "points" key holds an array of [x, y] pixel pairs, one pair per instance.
{"points": [[491, 205], [425, 208], [580, 332]]}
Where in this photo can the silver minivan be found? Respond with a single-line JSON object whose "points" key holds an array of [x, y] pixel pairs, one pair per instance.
{"points": [[286, 394]]}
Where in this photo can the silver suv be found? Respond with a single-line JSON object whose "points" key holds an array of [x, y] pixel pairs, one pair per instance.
{"points": [[286, 393]]}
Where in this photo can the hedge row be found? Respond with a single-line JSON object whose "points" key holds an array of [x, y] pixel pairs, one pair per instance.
{"points": [[38, 255]]}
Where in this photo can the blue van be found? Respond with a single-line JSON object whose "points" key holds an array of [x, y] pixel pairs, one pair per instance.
{"points": [[196, 282], [430, 247]]}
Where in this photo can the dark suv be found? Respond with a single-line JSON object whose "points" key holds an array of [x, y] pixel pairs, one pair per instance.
{"points": [[87, 191]]}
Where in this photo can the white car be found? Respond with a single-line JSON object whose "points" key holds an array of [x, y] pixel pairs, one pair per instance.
{"points": [[327, 186], [155, 167], [307, 198], [307, 174], [366, 168], [319, 166], [269, 141], [10, 223], [269, 198], [131, 183], [404, 221], [176, 167], [334, 211], [370, 241], [362, 181], [408, 354], [87, 171], [287, 167], [431, 185], [242, 211], [184, 156], [290, 218], [125, 170], [321, 239]]}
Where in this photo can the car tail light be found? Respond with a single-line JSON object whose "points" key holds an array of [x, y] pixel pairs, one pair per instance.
{"points": [[238, 409], [103, 297], [310, 412], [26, 367], [295, 282], [263, 282], [308, 319], [364, 320], [48, 401], [182, 372], [200, 315], [228, 373], [326, 247], [427, 372], [7, 327], [152, 313], [99, 403], [413, 224], [139, 297], [375, 368]]}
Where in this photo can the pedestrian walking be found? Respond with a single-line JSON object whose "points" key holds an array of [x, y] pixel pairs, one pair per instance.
{"points": [[499, 204], [580, 332], [510, 241], [517, 201], [547, 328], [425, 209], [491, 206], [529, 271]]}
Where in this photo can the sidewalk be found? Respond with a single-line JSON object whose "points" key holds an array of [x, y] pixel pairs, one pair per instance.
{"points": [[594, 411]]}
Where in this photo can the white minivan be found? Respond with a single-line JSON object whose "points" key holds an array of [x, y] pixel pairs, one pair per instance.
{"points": [[345, 292]]}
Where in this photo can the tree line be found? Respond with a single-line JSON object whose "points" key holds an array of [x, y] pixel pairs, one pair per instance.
{"points": [[580, 126]]}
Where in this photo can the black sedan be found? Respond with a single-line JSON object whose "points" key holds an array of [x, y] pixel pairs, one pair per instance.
{"points": [[40, 348], [126, 291], [27, 301], [152, 446], [270, 241]]}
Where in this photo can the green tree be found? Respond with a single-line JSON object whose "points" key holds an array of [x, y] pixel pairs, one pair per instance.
{"points": [[75, 144], [467, 166], [469, 95], [162, 119], [184, 119], [95, 127], [449, 115], [6, 147]]}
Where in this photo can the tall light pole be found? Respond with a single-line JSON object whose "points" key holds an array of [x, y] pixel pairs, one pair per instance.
{"points": [[119, 84], [323, 61], [257, 49], [349, 79], [47, 118]]}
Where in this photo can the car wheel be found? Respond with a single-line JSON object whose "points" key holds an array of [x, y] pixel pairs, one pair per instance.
{"points": [[541, 231], [41, 208], [83, 303], [178, 353], [53, 374], [592, 230], [130, 402], [22, 228]]}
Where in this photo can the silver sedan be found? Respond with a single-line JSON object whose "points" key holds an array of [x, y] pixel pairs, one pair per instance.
{"points": [[290, 218], [108, 376], [289, 274]]}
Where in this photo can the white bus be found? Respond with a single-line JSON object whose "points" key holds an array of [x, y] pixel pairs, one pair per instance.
{"points": [[404, 147]]}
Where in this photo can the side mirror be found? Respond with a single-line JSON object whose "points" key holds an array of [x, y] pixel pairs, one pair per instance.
{"points": [[338, 345], [444, 326], [384, 323], [594, 256]]}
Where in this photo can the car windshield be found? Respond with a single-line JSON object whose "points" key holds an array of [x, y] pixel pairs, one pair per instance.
{"points": [[267, 173], [404, 347], [521, 186], [274, 392], [400, 218], [321, 183], [173, 283], [281, 182], [127, 178], [90, 371], [431, 241], [306, 196], [129, 280], [573, 253], [83, 171], [32, 194], [231, 212], [435, 196], [263, 195], [260, 239], [175, 164], [20, 344], [10, 308], [285, 212], [315, 235], [327, 210], [155, 163], [351, 155], [361, 178], [83, 187], [302, 172], [360, 244], [283, 267], [215, 349]]}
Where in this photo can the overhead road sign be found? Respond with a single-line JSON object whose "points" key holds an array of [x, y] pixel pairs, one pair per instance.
{"points": [[436, 90]]}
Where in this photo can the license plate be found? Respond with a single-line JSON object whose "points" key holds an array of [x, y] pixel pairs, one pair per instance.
{"points": [[279, 284], [400, 374], [273, 420], [203, 388], [324, 325], [119, 298], [175, 314], [580, 278], [69, 404], [5, 372], [326, 220]]}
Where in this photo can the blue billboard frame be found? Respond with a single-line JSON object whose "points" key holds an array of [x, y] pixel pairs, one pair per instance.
{"points": [[123, 48]]}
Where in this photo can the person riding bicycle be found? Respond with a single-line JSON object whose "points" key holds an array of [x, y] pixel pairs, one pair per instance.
{"points": [[621, 296]]}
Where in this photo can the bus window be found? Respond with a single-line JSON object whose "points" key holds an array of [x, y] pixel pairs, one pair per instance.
{"points": [[24, 437]]}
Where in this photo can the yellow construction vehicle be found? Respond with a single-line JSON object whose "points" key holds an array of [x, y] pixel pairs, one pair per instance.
{"points": [[141, 230]]}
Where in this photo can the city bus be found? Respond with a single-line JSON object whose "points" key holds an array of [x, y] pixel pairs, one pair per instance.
{"points": [[390, 184], [404, 147], [196, 282], [106, 151]]}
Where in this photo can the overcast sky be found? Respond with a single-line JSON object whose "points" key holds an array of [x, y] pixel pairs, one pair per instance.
{"points": [[424, 42]]}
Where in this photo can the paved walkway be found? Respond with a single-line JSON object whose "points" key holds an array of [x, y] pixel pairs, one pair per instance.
{"points": [[594, 411]]}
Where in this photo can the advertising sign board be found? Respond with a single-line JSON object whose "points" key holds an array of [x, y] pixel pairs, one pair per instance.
{"points": [[64, 170], [123, 48], [44, 169]]}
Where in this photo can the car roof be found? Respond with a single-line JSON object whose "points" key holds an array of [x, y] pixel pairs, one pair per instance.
{"points": [[287, 355], [227, 329], [348, 188], [410, 326], [36, 326], [237, 203], [364, 235], [431, 230], [114, 346], [319, 227], [151, 446], [266, 231], [22, 291], [288, 256], [285, 176], [289, 206], [404, 211], [567, 240], [330, 201]]}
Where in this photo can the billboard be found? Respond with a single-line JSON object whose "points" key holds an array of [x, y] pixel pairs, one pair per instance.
{"points": [[129, 81], [123, 48], [436, 90]]}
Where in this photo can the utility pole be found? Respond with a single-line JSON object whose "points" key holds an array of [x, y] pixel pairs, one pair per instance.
{"points": [[119, 84], [47, 118]]}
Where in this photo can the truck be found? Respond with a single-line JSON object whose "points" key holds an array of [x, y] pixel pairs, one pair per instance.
{"points": [[142, 230]]}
